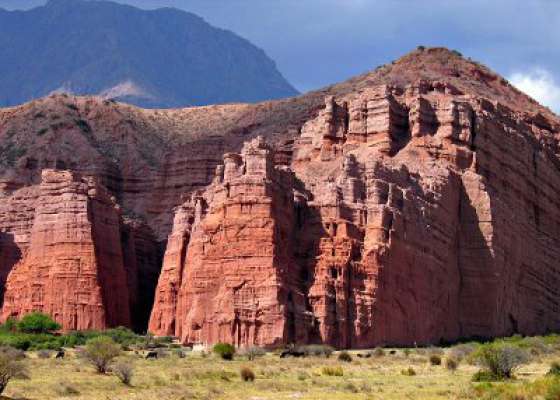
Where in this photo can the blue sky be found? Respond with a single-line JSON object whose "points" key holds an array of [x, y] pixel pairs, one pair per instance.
{"points": [[318, 42]]}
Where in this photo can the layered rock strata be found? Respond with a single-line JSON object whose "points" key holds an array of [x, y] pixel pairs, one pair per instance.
{"points": [[415, 204], [74, 264], [391, 227]]}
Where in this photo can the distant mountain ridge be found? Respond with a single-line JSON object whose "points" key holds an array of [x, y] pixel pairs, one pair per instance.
{"points": [[157, 58]]}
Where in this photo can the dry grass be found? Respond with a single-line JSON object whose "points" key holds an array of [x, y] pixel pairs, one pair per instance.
{"points": [[205, 378]]}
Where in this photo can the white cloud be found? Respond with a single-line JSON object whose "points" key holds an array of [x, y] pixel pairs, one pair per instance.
{"points": [[540, 85]]}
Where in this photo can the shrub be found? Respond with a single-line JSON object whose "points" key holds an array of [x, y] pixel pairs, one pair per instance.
{"points": [[333, 371], [10, 325], [350, 387], [435, 359], [554, 369], [179, 353], [224, 350], [500, 359], [100, 351], [378, 352], [345, 356], [247, 374], [484, 376], [254, 352], [408, 372], [37, 322], [536, 345], [421, 48], [317, 350], [451, 364], [11, 367], [124, 370], [462, 351], [121, 335]]}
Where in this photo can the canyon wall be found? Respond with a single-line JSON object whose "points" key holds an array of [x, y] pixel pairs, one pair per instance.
{"points": [[371, 213], [407, 215]]}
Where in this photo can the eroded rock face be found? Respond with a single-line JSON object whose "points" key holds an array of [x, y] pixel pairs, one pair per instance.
{"points": [[390, 227], [401, 208], [228, 274], [74, 264]]}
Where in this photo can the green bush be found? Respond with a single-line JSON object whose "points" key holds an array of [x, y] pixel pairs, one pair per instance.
{"points": [[37, 322], [9, 326], [101, 351], [224, 350], [344, 356], [247, 374], [500, 359]]}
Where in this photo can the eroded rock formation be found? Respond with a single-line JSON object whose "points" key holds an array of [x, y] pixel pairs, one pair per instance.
{"points": [[390, 227], [74, 264], [416, 204]]}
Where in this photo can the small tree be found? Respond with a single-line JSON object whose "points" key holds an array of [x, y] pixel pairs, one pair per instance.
{"points": [[37, 322], [100, 351], [224, 350], [10, 367]]}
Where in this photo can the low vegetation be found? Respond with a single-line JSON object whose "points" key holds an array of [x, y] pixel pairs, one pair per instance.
{"points": [[499, 361], [11, 366], [100, 352], [124, 370], [224, 350], [37, 322], [119, 364], [38, 332]]}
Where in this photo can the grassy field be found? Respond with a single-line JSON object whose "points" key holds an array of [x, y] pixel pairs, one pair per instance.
{"points": [[201, 376]]}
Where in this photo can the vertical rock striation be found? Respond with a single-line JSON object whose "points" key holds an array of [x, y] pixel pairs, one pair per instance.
{"points": [[73, 267], [390, 227], [417, 204]]}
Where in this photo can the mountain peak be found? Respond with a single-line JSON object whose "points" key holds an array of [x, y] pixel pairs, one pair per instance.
{"points": [[99, 45]]}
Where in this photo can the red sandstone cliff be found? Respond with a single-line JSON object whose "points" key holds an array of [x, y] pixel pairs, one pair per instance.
{"points": [[74, 264], [417, 203]]}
